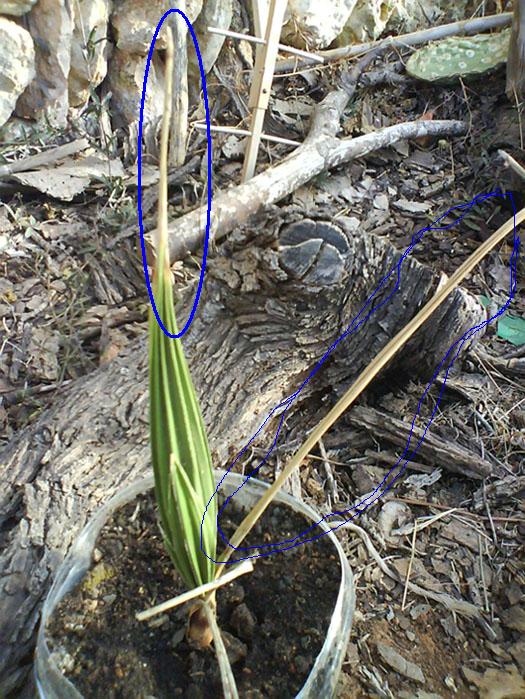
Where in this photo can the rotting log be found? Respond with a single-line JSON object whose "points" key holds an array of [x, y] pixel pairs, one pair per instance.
{"points": [[442, 453], [269, 312], [515, 86]]}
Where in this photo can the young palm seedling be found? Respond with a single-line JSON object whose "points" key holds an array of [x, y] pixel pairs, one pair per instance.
{"points": [[184, 479]]}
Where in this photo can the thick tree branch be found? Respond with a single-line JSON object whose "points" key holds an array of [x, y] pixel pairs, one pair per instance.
{"points": [[321, 151]]}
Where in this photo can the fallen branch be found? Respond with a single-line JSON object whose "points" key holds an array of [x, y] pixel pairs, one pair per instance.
{"points": [[321, 151], [448, 454], [46, 158], [235, 206], [466, 26]]}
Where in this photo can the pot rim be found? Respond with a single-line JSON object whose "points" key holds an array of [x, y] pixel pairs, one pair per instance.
{"points": [[78, 561]]}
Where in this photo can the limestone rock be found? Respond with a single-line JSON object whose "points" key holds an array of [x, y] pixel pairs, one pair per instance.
{"points": [[370, 18], [411, 15], [16, 129], [50, 23], [17, 65], [89, 49], [15, 7], [313, 24], [125, 79], [367, 21], [134, 22]]}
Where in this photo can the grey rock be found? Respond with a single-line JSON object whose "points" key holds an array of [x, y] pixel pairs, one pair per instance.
{"points": [[215, 13], [135, 21], [15, 7], [88, 66], [235, 648], [243, 621], [17, 65], [310, 22], [50, 24], [125, 79], [396, 661]]}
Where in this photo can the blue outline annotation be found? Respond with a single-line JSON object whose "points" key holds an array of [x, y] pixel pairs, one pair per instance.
{"points": [[139, 174]]}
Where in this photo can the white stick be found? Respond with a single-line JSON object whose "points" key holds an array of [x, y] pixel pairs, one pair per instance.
{"points": [[511, 162], [245, 132], [258, 40], [262, 83], [242, 569]]}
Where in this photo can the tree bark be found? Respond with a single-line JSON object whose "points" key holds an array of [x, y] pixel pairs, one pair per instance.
{"points": [[269, 312], [179, 121], [515, 87]]}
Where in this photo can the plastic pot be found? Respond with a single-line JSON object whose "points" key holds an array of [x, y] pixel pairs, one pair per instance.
{"points": [[322, 680]]}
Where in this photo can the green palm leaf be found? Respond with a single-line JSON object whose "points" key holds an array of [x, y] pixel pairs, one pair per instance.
{"points": [[180, 453]]}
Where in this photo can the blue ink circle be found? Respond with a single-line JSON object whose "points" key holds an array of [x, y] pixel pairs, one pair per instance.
{"points": [[139, 174]]}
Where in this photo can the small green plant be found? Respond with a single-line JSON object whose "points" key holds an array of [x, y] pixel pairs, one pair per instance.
{"points": [[459, 57], [181, 460], [180, 454]]}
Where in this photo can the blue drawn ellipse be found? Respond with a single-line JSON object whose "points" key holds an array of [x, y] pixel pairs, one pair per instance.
{"points": [[139, 173]]}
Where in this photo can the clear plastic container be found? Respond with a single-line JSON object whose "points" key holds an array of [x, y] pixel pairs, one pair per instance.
{"points": [[321, 681]]}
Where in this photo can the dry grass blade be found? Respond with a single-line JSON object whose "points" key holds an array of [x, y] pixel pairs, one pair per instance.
{"points": [[364, 379]]}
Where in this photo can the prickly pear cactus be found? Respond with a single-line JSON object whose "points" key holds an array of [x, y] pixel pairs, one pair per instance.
{"points": [[455, 57]]}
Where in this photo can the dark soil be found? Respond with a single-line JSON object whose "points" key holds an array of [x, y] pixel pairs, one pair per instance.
{"points": [[273, 620]]}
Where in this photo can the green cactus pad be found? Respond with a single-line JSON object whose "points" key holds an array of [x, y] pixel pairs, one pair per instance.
{"points": [[459, 57]]}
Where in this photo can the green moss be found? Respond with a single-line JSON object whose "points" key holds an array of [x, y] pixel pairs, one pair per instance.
{"points": [[96, 576]]}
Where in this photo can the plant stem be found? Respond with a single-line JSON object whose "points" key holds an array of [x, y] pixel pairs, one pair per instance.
{"points": [[228, 680], [161, 242]]}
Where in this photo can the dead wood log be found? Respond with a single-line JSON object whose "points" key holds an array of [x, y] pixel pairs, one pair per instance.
{"points": [[438, 451], [321, 151], [515, 86], [34, 162], [269, 312]]}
